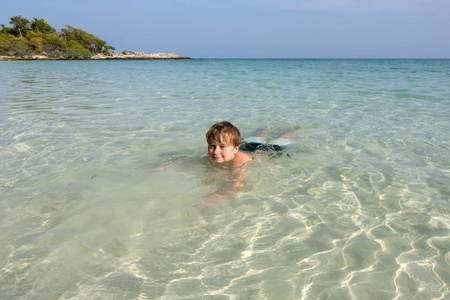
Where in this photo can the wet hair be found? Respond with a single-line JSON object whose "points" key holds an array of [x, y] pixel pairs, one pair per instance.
{"points": [[224, 132]]}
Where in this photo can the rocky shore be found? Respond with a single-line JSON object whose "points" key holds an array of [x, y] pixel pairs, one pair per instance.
{"points": [[138, 55], [112, 56]]}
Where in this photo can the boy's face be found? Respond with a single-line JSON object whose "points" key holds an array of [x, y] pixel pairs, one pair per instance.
{"points": [[220, 152]]}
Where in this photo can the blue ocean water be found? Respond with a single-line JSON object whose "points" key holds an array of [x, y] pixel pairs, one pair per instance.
{"points": [[359, 209]]}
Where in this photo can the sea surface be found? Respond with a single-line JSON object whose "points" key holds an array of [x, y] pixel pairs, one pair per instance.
{"points": [[104, 194]]}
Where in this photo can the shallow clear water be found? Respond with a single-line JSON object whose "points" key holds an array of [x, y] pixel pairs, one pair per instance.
{"points": [[358, 210]]}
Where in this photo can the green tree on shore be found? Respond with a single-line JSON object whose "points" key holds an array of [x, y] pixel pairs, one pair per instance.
{"points": [[38, 37], [19, 23], [84, 39], [41, 26]]}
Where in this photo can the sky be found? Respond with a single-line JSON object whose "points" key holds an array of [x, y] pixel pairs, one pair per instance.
{"points": [[254, 28]]}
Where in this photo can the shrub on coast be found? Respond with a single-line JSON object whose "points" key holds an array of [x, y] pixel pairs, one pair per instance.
{"points": [[37, 37], [16, 47], [35, 41], [4, 41], [73, 53], [8, 31]]}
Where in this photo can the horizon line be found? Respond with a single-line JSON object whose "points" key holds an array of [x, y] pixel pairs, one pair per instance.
{"points": [[318, 58]]}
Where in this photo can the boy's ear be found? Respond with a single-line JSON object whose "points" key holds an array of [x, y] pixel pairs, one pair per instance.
{"points": [[236, 149]]}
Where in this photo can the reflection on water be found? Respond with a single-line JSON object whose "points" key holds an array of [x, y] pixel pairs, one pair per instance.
{"points": [[358, 210]]}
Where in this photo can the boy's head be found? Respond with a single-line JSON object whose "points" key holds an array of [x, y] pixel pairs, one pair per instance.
{"points": [[224, 133]]}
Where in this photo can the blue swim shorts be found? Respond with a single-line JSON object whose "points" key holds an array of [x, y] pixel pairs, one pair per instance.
{"points": [[253, 143]]}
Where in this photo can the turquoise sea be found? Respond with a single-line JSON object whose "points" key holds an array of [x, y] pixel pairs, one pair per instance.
{"points": [[359, 209]]}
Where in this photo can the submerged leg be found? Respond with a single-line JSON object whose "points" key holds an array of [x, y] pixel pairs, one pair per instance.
{"points": [[262, 133], [291, 133], [285, 140]]}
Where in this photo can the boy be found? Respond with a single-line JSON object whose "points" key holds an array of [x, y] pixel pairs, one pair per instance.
{"points": [[224, 140], [224, 143]]}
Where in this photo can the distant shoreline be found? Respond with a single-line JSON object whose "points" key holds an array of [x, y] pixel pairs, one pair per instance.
{"points": [[126, 55]]}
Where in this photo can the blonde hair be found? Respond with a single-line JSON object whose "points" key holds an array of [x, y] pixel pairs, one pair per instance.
{"points": [[224, 132]]}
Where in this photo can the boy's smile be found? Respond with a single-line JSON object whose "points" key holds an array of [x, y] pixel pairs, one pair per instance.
{"points": [[222, 152]]}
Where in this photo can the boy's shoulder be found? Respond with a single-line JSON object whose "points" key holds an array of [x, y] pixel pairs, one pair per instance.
{"points": [[241, 158]]}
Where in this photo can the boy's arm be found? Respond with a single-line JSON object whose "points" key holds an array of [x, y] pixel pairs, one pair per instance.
{"points": [[237, 183], [237, 173], [222, 194], [165, 165], [241, 159]]}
